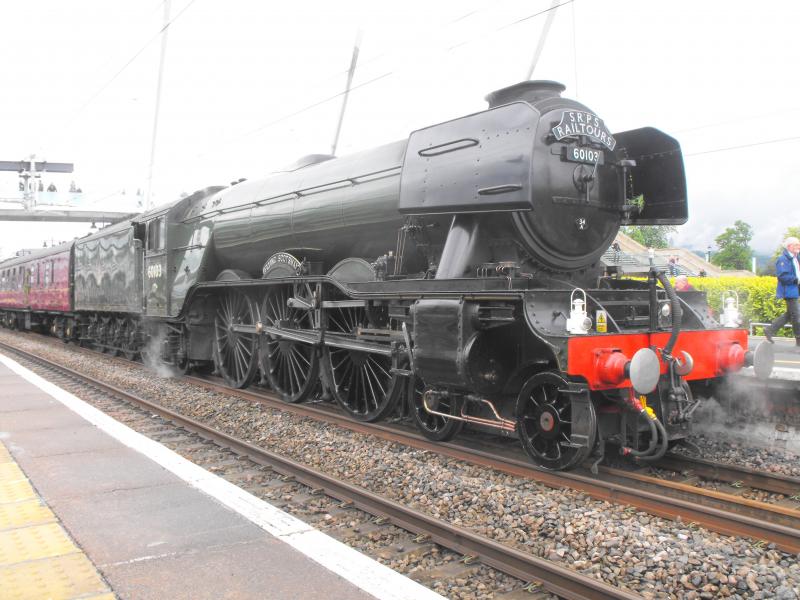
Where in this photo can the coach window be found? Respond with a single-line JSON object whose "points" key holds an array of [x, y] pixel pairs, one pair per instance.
{"points": [[52, 272]]}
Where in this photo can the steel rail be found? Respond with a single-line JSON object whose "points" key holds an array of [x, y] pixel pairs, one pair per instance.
{"points": [[756, 509], [557, 579], [760, 521], [775, 483], [752, 519]]}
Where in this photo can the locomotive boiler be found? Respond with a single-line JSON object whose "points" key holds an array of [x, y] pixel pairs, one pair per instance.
{"points": [[454, 277]]}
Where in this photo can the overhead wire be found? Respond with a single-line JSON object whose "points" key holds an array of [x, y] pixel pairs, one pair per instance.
{"points": [[133, 58], [534, 15], [507, 25], [389, 73], [737, 147], [78, 111], [373, 59], [737, 120], [314, 105], [122, 69]]}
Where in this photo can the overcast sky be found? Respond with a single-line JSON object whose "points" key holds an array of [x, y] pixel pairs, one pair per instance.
{"points": [[723, 77]]}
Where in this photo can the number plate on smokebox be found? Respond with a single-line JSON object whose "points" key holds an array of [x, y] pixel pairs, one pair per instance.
{"points": [[580, 154]]}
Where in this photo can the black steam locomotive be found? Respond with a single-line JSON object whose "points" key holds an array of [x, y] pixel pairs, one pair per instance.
{"points": [[455, 276]]}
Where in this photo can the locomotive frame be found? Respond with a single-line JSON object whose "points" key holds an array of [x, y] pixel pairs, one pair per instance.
{"points": [[435, 277]]}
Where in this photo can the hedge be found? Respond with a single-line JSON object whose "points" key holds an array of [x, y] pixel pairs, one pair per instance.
{"points": [[757, 301]]}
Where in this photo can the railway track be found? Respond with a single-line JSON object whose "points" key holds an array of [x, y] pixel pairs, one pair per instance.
{"points": [[723, 511], [731, 474], [556, 579]]}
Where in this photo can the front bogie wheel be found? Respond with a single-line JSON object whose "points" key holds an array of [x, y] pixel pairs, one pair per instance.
{"points": [[557, 428]]}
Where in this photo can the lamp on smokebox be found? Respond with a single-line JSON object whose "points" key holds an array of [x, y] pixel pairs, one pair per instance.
{"points": [[578, 321], [731, 316]]}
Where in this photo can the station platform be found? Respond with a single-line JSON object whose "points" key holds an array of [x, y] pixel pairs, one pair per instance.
{"points": [[91, 509]]}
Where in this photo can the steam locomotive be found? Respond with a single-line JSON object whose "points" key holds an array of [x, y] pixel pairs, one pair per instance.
{"points": [[454, 277]]}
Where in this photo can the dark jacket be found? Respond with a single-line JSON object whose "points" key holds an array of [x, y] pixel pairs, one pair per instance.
{"points": [[787, 278]]}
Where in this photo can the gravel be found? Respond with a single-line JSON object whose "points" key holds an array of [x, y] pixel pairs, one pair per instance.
{"points": [[745, 433], [655, 557]]}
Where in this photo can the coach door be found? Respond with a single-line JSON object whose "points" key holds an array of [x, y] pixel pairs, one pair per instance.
{"points": [[26, 285], [155, 268]]}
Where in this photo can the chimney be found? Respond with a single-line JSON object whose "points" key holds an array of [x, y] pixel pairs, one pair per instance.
{"points": [[526, 91]]}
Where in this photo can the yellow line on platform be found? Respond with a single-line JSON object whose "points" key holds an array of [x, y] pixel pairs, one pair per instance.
{"points": [[38, 559]]}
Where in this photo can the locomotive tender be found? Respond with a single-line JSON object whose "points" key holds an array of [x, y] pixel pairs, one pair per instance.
{"points": [[454, 277]]}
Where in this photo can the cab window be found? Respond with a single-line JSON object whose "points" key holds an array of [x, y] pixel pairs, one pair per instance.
{"points": [[156, 234]]}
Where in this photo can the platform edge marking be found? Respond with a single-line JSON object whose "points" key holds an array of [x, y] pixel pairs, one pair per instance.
{"points": [[362, 571]]}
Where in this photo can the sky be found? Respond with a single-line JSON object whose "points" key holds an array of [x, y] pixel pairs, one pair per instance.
{"points": [[249, 86]]}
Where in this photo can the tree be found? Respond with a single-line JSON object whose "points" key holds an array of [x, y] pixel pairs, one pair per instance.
{"points": [[652, 236], [793, 231], [734, 247], [769, 266]]}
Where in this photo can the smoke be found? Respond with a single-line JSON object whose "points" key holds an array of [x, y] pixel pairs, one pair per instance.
{"points": [[151, 355], [747, 415]]}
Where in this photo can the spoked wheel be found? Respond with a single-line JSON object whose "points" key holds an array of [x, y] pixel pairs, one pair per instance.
{"points": [[129, 339], [557, 429], [432, 426], [235, 352], [363, 383], [290, 366]]}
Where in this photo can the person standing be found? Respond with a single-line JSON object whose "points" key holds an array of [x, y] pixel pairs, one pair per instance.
{"points": [[787, 271]]}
